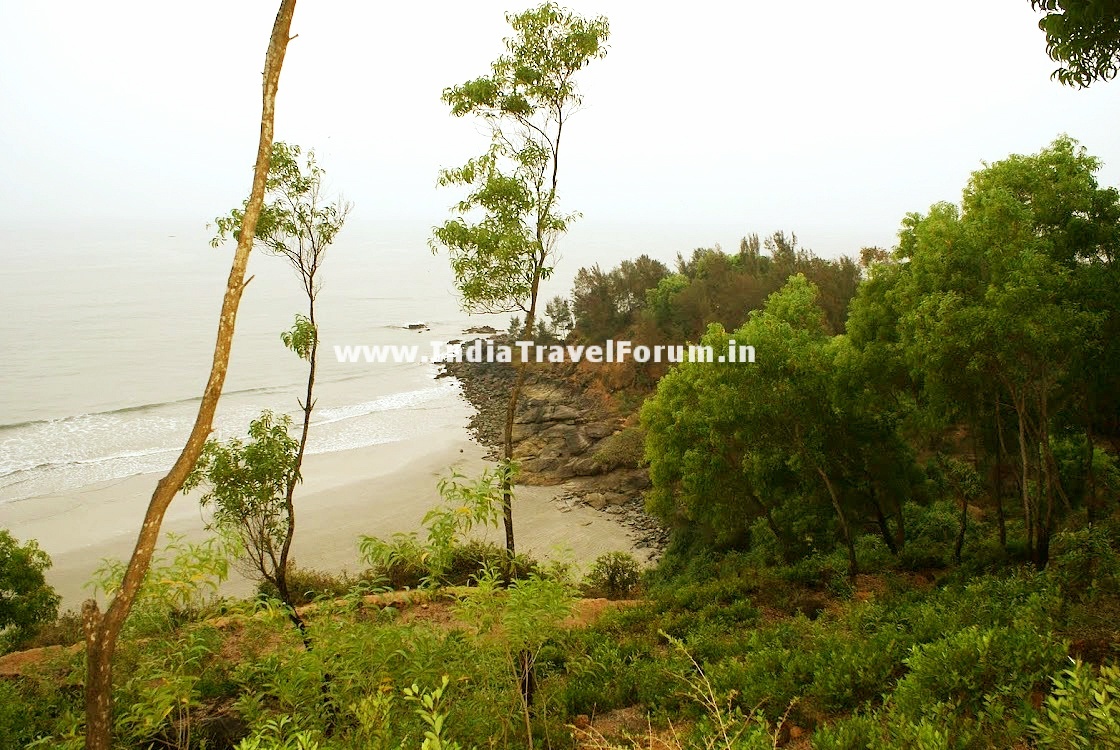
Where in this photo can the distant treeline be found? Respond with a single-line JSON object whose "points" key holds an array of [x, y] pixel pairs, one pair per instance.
{"points": [[976, 366]]}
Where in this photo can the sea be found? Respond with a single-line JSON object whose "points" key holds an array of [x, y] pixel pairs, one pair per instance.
{"points": [[107, 332]]}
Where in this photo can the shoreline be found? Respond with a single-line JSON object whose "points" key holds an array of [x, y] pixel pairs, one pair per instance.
{"points": [[376, 490]]}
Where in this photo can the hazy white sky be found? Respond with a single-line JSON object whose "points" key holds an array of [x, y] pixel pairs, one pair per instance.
{"points": [[829, 119]]}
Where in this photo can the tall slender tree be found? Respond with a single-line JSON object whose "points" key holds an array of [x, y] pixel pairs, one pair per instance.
{"points": [[502, 242], [103, 629], [297, 223]]}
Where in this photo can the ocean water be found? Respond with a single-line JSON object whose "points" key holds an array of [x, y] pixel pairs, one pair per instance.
{"points": [[108, 332]]}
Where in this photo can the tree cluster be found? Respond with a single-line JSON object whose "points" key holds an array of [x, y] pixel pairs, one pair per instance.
{"points": [[978, 362]]}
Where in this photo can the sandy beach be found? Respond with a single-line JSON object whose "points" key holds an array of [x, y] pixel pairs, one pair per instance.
{"points": [[377, 490]]}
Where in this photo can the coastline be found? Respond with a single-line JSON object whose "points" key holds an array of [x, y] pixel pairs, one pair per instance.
{"points": [[376, 490]]}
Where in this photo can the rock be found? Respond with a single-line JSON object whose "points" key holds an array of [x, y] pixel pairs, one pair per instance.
{"points": [[596, 500], [599, 430], [585, 467], [481, 329], [522, 432], [560, 413], [616, 498], [416, 327]]}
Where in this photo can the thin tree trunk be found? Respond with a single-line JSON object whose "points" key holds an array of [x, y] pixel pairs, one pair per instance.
{"points": [[962, 528], [997, 481], [1090, 476], [881, 519], [1042, 471], [289, 502], [102, 630], [853, 565], [507, 433], [1028, 518]]}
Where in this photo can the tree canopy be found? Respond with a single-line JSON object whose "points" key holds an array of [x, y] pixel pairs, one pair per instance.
{"points": [[1083, 37]]}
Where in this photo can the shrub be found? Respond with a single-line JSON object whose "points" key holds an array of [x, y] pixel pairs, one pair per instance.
{"points": [[931, 534], [466, 563], [873, 554], [180, 583], [64, 630], [1082, 710], [623, 449], [614, 575], [26, 600], [974, 667], [307, 584], [1084, 564]]}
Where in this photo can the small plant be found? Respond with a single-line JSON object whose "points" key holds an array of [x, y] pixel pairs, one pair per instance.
{"points": [[429, 709], [615, 575], [279, 734], [624, 449], [26, 599], [246, 484], [404, 559], [1082, 710], [180, 581]]}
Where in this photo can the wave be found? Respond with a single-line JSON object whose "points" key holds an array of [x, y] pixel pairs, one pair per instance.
{"points": [[49, 465], [143, 407], [392, 402]]}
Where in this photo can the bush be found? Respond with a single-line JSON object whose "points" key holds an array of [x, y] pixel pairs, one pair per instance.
{"points": [[873, 554], [26, 600], [931, 533], [623, 449], [64, 630], [614, 575], [466, 563], [1084, 564], [307, 584], [974, 667], [1082, 710]]}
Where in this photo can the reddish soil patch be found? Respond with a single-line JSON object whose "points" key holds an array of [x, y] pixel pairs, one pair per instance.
{"points": [[20, 663]]}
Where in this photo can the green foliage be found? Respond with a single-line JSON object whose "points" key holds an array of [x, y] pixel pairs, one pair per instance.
{"points": [[931, 531], [968, 670], [1083, 37], [1084, 564], [614, 575], [1082, 710], [501, 243], [297, 223], [428, 708], [246, 484], [181, 582], [27, 601], [404, 558], [302, 337], [279, 734], [559, 314], [307, 585]]}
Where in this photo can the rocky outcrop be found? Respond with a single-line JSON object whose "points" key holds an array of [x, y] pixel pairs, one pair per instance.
{"points": [[561, 437]]}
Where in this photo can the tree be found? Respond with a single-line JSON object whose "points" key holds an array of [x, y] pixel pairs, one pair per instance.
{"points": [[297, 224], [730, 443], [102, 630], [246, 486], [1083, 37], [502, 243], [26, 599], [994, 316]]}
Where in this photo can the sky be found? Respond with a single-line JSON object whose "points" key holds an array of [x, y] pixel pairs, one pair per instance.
{"points": [[829, 119]]}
